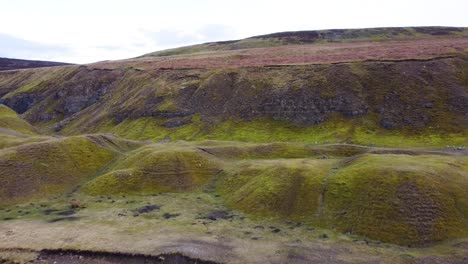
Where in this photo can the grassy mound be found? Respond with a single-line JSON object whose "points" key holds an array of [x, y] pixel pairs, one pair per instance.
{"points": [[155, 169], [9, 120], [45, 169], [283, 188], [400, 199]]}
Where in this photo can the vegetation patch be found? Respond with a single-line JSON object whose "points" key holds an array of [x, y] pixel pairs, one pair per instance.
{"points": [[280, 188], [48, 168], [154, 169], [409, 200], [10, 120]]}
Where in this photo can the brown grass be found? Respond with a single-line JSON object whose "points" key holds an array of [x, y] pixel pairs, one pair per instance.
{"points": [[303, 54]]}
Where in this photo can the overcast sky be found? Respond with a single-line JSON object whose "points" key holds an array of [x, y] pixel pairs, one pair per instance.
{"points": [[83, 31]]}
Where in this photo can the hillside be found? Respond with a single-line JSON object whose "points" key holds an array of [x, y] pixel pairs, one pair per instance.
{"points": [[336, 146], [393, 103], [15, 64], [319, 37]]}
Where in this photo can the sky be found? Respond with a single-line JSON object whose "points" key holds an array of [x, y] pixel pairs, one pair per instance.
{"points": [[85, 31]]}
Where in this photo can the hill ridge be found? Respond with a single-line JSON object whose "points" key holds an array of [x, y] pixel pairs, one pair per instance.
{"points": [[7, 64]]}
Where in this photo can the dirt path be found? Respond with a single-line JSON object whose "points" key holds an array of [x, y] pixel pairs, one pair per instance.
{"points": [[13, 133]]}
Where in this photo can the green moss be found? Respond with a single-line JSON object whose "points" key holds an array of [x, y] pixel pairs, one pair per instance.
{"points": [[44, 169], [12, 121], [152, 128], [406, 200], [152, 169], [141, 128], [400, 199], [280, 188], [167, 105], [336, 130]]}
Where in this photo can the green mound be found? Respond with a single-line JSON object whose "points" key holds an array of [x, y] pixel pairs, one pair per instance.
{"points": [[155, 169], [45, 169], [282, 188], [11, 122], [400, 199]]}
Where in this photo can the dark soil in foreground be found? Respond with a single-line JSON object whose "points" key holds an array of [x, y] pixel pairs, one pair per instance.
{"points": [[89, 257]]}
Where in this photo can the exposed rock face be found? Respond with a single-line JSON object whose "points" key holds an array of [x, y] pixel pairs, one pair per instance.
{"points": [[412, 94], [301, 108], [396, 113], [22, 102], [84, 89]]}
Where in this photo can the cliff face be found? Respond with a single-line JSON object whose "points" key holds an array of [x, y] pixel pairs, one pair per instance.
{"points": [[412, 95]]}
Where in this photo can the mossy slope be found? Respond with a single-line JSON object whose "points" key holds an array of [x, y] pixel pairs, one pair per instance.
{"points": [[45, 169], [278, 188], [408, 200], [318, 36], [16, 131], [404, 103], [10, 120], [400, 199], [152, 169]]}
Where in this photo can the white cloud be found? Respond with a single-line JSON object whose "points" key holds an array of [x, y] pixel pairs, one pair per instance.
{"points": [[89, 30]]}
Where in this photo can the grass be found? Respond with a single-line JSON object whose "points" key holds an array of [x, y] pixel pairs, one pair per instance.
{"points": [[288, 189], [10, 120], [15, 131], [266, 166], [112, 224], [395, 198], [400, 199], [409, 200], [307, 37], [152, 169], [48, 168], [225, 102], [7, 141], [337, 130]]}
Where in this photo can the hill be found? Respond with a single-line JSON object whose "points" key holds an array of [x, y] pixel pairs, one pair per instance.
{"points": [[407, 89], [294, 147], [15, 64], [399, 103], [319, 37]]}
